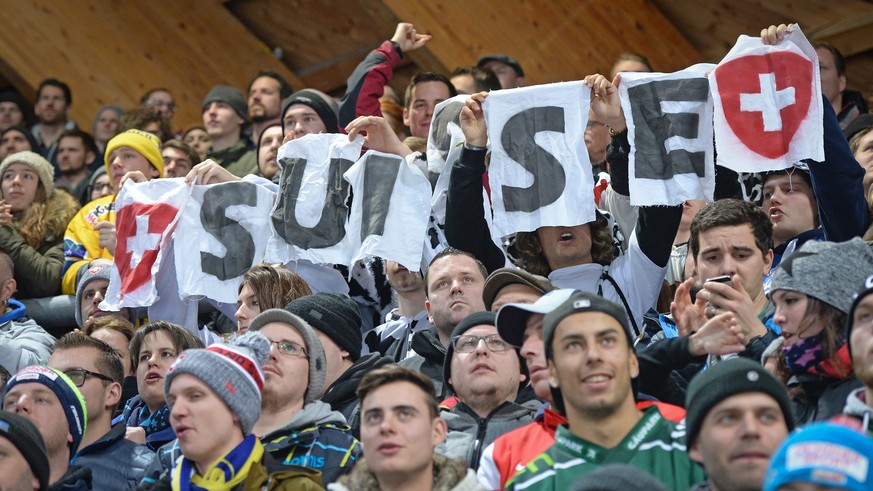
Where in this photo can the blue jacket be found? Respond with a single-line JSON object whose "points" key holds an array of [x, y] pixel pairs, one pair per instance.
{"points": [[115, 463]]}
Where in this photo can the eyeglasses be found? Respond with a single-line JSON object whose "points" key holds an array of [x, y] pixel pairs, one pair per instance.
{"points": [[468, 344], [156, 103], [289, 348], [78, 376]]}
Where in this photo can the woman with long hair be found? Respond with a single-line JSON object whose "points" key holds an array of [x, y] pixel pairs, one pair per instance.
{"points": [[812, 290], [33, 219]]}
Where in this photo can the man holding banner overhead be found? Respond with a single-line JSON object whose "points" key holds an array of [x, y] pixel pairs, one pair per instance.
{"points": [[538, 132]]}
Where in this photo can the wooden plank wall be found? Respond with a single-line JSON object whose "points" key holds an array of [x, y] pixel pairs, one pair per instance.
{"points": [[114, 51], [554, 40]]}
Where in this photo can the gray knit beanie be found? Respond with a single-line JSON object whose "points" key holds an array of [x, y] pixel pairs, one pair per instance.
{"points": [[228, 95], [826, 271], [232, 371], [99, 272], [35, 161], [314, 349]]}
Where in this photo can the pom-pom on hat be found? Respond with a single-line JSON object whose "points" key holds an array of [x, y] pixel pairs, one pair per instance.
{"points": [[232, 371]]}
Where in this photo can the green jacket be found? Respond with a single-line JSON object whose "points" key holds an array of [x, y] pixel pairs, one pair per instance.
{"points": [[237, 159], [655, 445]]}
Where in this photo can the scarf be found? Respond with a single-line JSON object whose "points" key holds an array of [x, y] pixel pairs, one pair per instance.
{"points": [[224, 474], [807, 357], [136, 413]]}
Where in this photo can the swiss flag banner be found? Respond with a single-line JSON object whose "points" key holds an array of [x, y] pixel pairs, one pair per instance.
{"points": [[146, 214], [767, 104]]}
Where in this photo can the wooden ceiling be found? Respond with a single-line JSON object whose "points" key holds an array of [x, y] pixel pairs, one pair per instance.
{"points": [[113, 51]]}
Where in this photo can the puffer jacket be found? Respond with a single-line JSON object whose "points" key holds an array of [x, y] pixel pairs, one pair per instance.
{"points": [[38, 269], [469, 434], [115, 463], [448, 475], [22, 341]]}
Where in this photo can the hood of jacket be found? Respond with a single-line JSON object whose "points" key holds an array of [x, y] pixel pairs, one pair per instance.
{"points": [[427, 344], [342, 391], [14, 310], [856, 406], [315, 413], [449, 475]]}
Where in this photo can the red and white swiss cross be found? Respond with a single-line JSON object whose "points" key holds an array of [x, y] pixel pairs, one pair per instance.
{"points": [[767, 105]]}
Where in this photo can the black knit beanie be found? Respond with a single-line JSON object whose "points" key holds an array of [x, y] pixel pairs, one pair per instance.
{"points": [[725, 379], [334, 315], [321, 103], [26, 438]]}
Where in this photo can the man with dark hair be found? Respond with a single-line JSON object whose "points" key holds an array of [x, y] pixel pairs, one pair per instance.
{"points": [[53, 101], [16, 139], [738, 415], [592, 367], [308, 111], [336, 320], [424, 92], [224, 112], [179, 158], [470, 79], [487, 375], [859, 325], [847, 104], [507, 69], [145, 118], [76, 151], [367, 82], [265, 95], [630, 62], [732, 240], [400, 426], [161, 100], [453, 285], [11, 109], [97, 371]]}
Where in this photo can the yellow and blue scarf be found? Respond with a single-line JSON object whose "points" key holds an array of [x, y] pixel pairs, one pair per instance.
{"points": [[224, 474]]}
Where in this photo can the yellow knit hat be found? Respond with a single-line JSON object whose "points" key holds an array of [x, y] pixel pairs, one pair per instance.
{"points": [[147, 144]]}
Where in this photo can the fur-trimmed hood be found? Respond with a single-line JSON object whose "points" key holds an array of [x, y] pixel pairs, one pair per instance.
{"points": [[449, 475], [60, 208]]}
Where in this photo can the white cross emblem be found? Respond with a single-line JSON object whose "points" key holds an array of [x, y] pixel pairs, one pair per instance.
{"points": [[141, 242], [768, 102]]}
